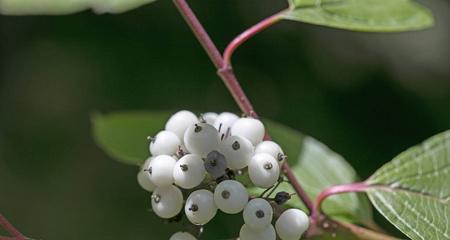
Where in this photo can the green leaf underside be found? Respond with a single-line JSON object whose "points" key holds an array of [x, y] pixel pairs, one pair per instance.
{"points": [[413, 190], [317, 167], [123, 136], [61, 7], [362, 15]]}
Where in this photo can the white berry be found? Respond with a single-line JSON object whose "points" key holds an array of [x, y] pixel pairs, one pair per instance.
{"points": [[182, 236], [271, 148], [200, 207], [247, 233], [189, 171], [230, 196], [237, 151], [249, 128], [258, 214], [224, 122], [165, 142], [210, 117], [263, 170], [143, 176], [291, 224], [167, 202], [201, 139], [161, 170], [180, 121]]}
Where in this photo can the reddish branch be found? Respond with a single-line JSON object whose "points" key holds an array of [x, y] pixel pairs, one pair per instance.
{"points": [[239, 40], [338, 189], [10, 229], [227, 75]]}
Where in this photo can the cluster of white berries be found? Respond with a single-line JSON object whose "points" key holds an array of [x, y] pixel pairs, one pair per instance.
{"points": [[199, 158]]}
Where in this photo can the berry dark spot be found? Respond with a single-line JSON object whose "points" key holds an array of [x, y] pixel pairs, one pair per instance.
{"points": [[281, 157], [259, 214], [156, 198], [193, 208], [184, 167], [236, 145], [197, 128], [268, 166], [225, 194]]}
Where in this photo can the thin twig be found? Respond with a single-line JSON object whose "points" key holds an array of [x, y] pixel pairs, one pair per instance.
{"points": [[233, 86], [338, 189], [11, 229], [247, 34]]}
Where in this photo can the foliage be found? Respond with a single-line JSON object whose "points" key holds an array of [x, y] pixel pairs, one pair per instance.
{"points": [[412, 191]]}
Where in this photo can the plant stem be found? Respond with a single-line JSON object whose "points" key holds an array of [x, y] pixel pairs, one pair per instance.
{"points": [[247, 34], [233, 86], [10, 228], [338, 189], [364, 233]]}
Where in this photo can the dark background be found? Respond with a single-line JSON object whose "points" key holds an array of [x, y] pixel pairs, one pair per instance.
{"points": [[367, 96]]}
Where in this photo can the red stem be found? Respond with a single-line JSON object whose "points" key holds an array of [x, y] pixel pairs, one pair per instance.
{"points": [[241, 38], [233, 85], [338, 189], [10, 228]]}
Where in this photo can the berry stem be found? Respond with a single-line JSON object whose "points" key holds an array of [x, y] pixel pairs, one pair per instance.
{"points": [[247, 34], [233, 85], [338, 189], [11, 229]]}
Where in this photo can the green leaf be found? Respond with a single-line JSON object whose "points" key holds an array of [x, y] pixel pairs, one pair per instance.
{"points": [[317, 167], [413, 190], [362, 15], [124, 135], [61, 7]]}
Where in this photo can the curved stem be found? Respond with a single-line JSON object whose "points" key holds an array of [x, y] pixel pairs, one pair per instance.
{"points": [[11, 229], [233, 86], [247, 34], [338, 189]]}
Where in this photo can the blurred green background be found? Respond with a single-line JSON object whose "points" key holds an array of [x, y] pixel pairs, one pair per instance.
{"points": [[367, 96]]}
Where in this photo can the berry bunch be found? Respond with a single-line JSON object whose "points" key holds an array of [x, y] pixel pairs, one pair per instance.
{"points": [[200, 158]]}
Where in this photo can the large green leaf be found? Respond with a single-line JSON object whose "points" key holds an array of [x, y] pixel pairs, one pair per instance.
{"points": [[317, 167], [361, 15], [123, 135], [60, 7], [413, 190]]}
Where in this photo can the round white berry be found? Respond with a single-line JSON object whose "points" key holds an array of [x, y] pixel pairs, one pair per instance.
{"points": [[143, 176], [291, 224], [237, 151], [271, 148], [249, 128], [180, 121], [167, 202], [267, 233], [210, 117], [224, 122], [230, 196], [201, 139], [258, 214], [161, 170], [182, 236], [165, 142], [200, 207], [263, 170], [189, 171]]}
